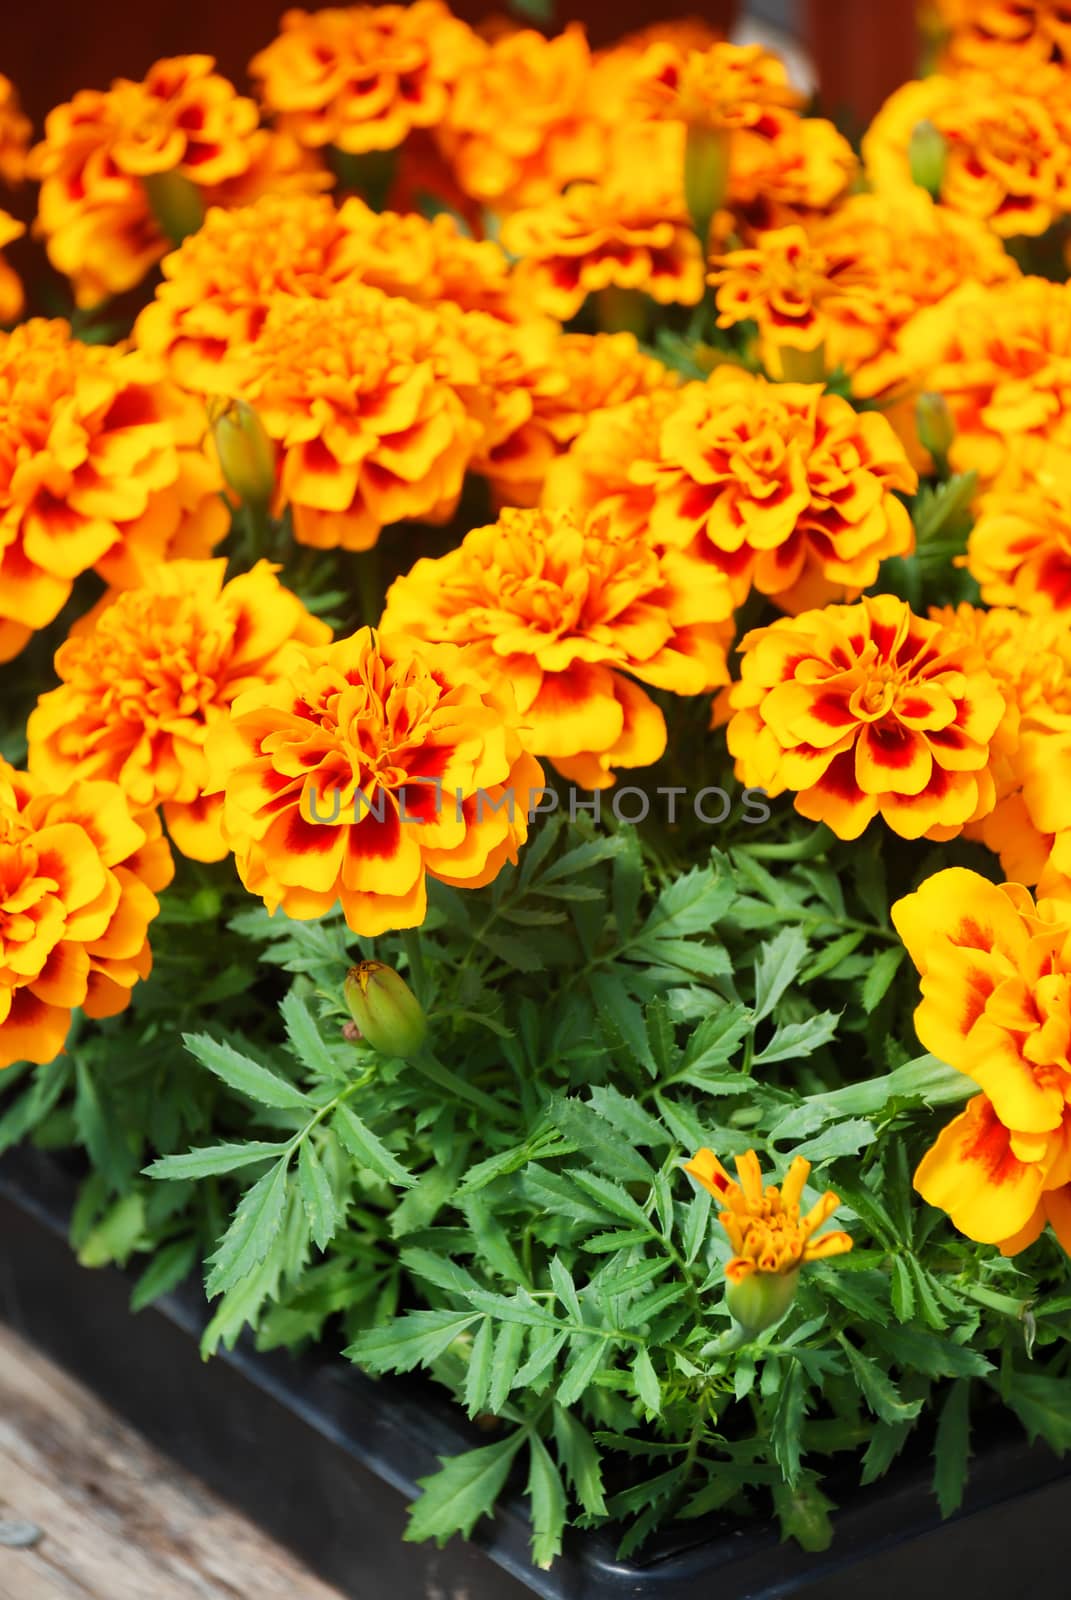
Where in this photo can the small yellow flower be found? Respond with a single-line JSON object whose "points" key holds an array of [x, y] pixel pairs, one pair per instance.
{"points": [[764, 1226]]}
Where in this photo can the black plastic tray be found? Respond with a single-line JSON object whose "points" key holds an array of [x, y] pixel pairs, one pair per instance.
{"points": [[326, 1459]]}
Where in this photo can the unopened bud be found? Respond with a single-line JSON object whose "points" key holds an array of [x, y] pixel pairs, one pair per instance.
{"points": [[246, 454], [760, 1299], [928, 156], [176, 203], [936, 429], [385, 1009]]}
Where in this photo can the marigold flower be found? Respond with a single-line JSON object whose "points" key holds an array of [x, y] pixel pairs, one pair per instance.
{"points": [[78, 875], [570, 613], [795, 288], [103, 151], [101, 465], [375, 763], [783, 486], [629, 228], [363, 77], [1007, 159], [866, 710], [595, 473], [1019, 548], [996, 1005], [143, 681], [15, 131], [764, 1226], [1001, 356], [522, 124], [12, 299], [726, 86], [360, 394], [787, 169], [998, 33]]}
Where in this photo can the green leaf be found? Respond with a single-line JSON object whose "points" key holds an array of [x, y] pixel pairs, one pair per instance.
{"points": [[438, 1269], [546, 1494], [213, 1160], [600, 1142], [952, 1449], [254, 1226], [616, 1200], [455, 1498], [168, 1267], [244, 1075], [878, 1389], [793, 1040], [915, 1350], [780, 959], [647, 1386], [803, 1511], [116, 1235], [480, 1368], [843, 1139], [715, 1040], [565, 1288], [306, 1041], [368, 1150], [883, 970], [624, 1016], [413, 1340], [509, 1345], [1041, 1405], [584, 856], [317, 1196], [629, 1117], [581, 1369], [580, 1459], [696, 1225], [902, 1290], [99, 1132], [788, 1418]]}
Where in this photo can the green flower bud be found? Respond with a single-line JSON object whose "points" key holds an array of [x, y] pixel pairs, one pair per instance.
{"points": [[385, 1009], [176, 204], [935, 427], [246, 454], [928, 155], [760, 1299]]}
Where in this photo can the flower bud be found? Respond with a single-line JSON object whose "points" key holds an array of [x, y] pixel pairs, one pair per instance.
{"points": [[935, 427], [758, 1300], [385, 1009], [176, 204], [928, 156], [246, 454]]}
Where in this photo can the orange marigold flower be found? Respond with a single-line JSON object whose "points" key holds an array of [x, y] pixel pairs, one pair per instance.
{"points": [[104, 151], [570, 613], [375, 763], [1019, 548], [866, 710], [785, 169], [360, 394], [726, 86], [78, 875], [629, 228], [795, 287], [12, 299], [999, 33], [763, 1223], [102, 465], [1001, 356], [522, 121], [143, 682], [1006, 158], [595, 473], [996, 1005], [363, 77], [783, 486], [15, 131]]}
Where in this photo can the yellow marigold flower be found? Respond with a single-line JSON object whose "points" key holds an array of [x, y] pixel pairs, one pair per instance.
{"points": [[1002, 34], [1020, 546], [595, 473], [1030, 758], [363, 77], [865, 710], [785, 487], [1006, 146], [795, 287], [522, 121], [15, 131], [629, 228], [101, 465], [183, 127], [78, 880], [12, 299], [726, 86], [360, 394], [787, 168], [763, 1224], [996, 1005], [143, 682], [570, 613], [1001, 356], [375, 763]]}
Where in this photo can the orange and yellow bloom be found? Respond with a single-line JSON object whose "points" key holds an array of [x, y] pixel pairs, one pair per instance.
{"points": [[375, 763], [764, 1224], [79, 873], [142, 685], [1019, 548], [868, 710], [570, 613], [996, 1005]]}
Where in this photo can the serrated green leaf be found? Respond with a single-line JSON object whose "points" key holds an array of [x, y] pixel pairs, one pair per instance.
{"points": [[585, 856], [803, 1511], [715, 1040], [252, 1230], [245, 1075], [317, 1196], [883, 969], [1041, 1405], [915, 1350], [565, 1288], [697, 1225], [793, 1040], [306, 1041], [624, 1016], [213, 1160], [412, 1340], [787, 1428], [843, 1139], [648, 1388], [480, 1367], [902, 1290], [368, 1149], [779, 962], [116, 1235], [580, 1370], [169, 1266], [546, 1495], [952, 1449], [580, 1459], [509, 1347], [465, 1489], [878, 1389]]}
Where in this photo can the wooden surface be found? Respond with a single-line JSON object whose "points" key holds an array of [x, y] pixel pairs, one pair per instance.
{"points": [[116, 1520]]}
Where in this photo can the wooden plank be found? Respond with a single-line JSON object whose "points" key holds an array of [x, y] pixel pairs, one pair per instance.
{"points": [[118, 1520]]}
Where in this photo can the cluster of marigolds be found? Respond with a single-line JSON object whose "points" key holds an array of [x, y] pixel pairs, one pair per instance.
{"points": [[341, 366]]}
